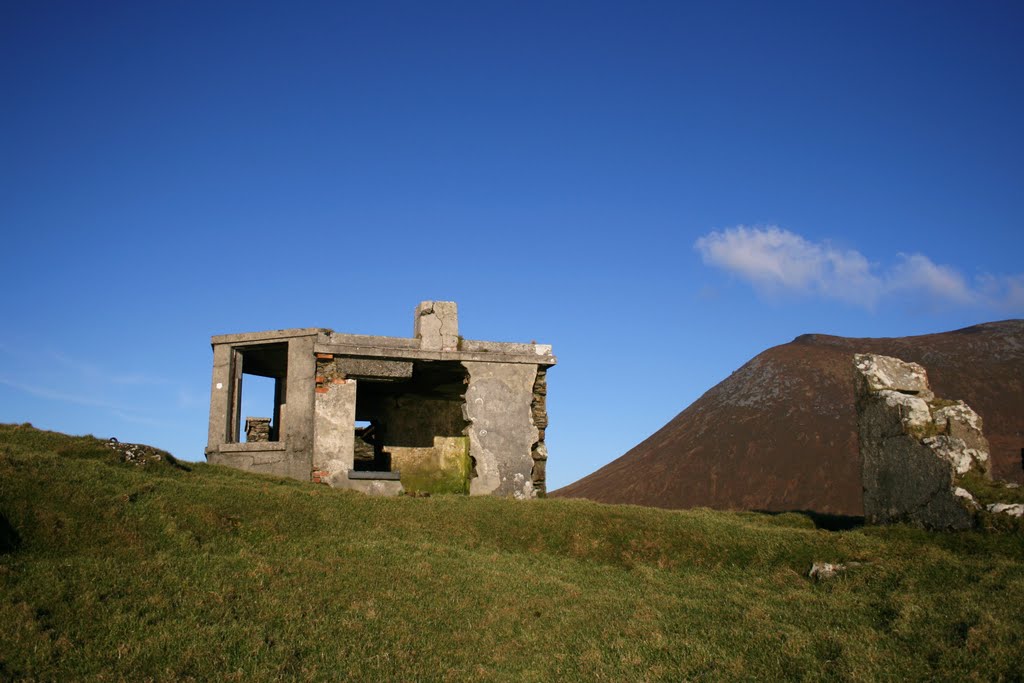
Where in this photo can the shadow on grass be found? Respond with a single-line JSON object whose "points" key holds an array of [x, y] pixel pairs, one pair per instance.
{"points": [[10, 540], [175, 463], [823, 520]]}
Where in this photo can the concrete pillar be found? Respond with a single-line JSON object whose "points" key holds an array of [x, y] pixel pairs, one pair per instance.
{"points": [[436, 325], [220, 393], [235, 397], [297, 420], [276, 429], [334, 430]]}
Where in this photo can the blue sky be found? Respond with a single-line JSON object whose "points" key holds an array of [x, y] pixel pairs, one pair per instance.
{"points": [[659, 190]]}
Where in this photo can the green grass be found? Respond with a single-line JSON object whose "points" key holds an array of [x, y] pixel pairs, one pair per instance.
{"points": [[111, 571], [987, 491]]}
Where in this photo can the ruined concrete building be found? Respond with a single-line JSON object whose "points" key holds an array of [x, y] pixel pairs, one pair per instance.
{"points": [[434, 413]]}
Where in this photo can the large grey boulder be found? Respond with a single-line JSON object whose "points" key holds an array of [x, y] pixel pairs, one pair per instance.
{"points": [[885, 373], [915, 447]]}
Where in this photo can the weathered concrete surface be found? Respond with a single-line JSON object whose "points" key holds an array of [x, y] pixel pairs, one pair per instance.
{"points": [[267, 457], [245, 338], [541, 356], [219, 397], [910, 458], [273, 460], [334, 428], [502, 433], [437, 325], [297, 420], [360, 368], [372, 487]]}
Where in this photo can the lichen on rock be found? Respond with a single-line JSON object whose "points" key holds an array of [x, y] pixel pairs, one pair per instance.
{"points": [[880, 373]]}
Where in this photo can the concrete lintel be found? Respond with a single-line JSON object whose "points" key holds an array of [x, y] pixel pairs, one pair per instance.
{"points": [[332, 337], [251, 447], [477, 346], [419, 354], [383, 476], [261, 337], [374, 368]]}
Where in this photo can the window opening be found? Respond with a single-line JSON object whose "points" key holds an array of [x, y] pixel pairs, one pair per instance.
{"points": [[369, 455], [257, 407], [259, 383], [398, 420]]}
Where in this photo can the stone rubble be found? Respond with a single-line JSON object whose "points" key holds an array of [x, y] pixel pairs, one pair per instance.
{"points": [[135, 453], [967, 496], [821, 571], [1011, 509]]}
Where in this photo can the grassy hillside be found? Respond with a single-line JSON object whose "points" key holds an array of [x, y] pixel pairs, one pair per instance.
{"points": [[110, 570]]}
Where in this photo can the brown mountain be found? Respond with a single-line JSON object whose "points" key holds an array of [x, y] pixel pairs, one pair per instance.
{"points": [[780, 432]]}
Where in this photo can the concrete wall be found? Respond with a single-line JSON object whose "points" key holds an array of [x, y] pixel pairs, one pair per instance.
{"points": [[411, 420], [501, 431]]}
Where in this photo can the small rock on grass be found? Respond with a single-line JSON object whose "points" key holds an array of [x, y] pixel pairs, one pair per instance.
{"points": [[821, 571]]}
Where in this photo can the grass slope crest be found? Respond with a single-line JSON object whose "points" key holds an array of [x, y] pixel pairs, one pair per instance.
{"points": [[111, 570]]}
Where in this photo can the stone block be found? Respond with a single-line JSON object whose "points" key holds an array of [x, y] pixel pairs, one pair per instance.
{"points": [[436, 325], [878, 373], [961, 422]]}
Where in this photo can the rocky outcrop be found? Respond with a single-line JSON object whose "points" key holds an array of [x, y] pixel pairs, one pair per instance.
{"points": [[915, 448]]}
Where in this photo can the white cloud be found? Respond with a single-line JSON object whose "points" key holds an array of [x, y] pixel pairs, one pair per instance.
{"points": [[776, 261], [917, 273], [1007, 290], [49, 394], [94, 372], [87, 401]]}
